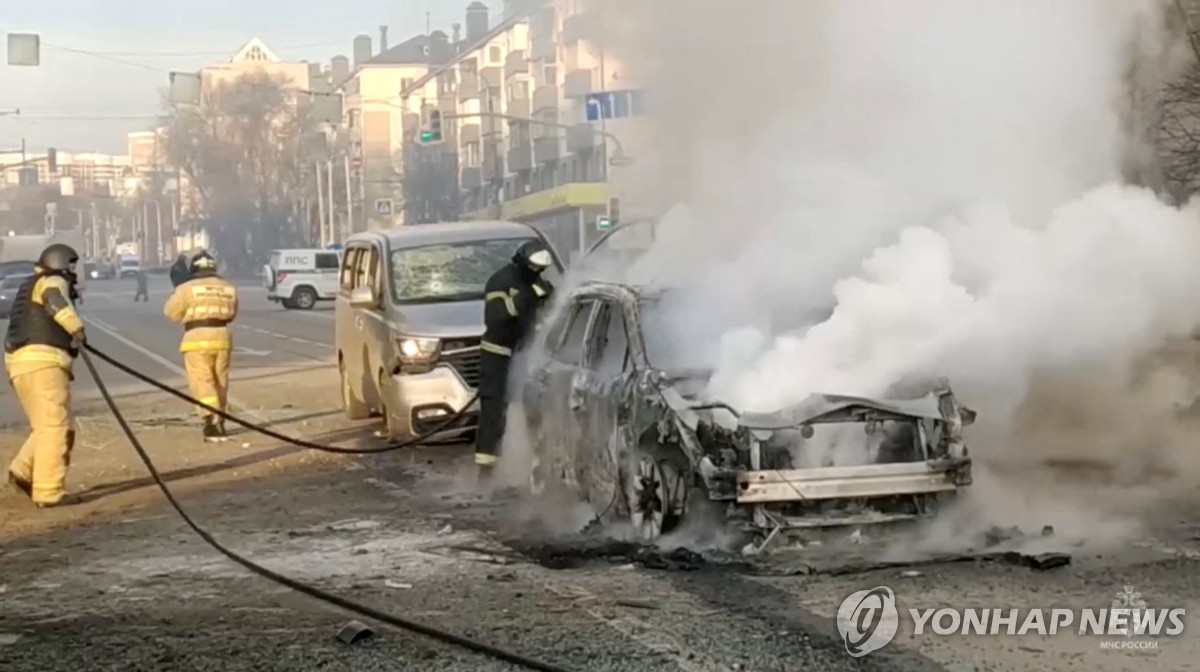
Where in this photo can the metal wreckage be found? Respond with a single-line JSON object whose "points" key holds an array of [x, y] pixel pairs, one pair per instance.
{"points": [[636, 442]]}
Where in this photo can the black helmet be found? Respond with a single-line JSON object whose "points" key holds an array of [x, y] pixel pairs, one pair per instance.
{"points": [[203, 261], [533, 255], [59, 258]]}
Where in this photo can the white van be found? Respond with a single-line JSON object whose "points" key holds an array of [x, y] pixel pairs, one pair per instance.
{"points": [[300, 278], [129, 267]]}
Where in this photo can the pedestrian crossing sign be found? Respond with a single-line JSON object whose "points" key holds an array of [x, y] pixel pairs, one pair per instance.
{"points": [[383, 207]]}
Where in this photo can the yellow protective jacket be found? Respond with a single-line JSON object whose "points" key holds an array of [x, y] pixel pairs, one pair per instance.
{"points": [[37, 356], [205, 306]]}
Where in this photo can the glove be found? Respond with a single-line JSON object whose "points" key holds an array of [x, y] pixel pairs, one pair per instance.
{"points": [[78, 339]]}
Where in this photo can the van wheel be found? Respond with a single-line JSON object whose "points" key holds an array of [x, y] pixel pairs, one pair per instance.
{"points": [[304, 298], [287, 303], [353, 407], [389, 424]]}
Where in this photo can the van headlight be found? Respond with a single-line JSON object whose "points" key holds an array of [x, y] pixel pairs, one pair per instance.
{"points": [[418, 349]]}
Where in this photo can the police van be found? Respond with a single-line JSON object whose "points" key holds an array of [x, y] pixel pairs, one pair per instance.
{"points": [[300, 278]]}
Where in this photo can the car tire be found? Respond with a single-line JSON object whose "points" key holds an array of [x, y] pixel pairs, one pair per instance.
{"points": [[287, 303], [389, 424], [354, 408], [304, 298]]}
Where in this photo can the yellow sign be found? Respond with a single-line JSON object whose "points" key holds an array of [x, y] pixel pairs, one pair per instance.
{"points": [[575, 195]]}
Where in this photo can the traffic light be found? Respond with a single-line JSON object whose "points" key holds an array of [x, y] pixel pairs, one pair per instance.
{"points": [[614, 211], [432, 133], [52, 160]]}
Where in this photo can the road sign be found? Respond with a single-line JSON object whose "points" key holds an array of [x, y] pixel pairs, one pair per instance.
{"points": [[383, 207], [603, 223]]}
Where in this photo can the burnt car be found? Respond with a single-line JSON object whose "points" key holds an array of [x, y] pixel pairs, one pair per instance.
{"points": [[613, 419]]}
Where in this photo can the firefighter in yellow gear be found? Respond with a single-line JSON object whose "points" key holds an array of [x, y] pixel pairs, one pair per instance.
{"points": [[44, 337], [205, 304]]}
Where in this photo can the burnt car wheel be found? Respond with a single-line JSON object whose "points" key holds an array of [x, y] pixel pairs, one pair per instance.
{"points": [[653, 491]]}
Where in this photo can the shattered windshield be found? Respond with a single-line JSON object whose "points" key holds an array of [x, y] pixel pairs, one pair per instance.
{"points": [[448, 272]]}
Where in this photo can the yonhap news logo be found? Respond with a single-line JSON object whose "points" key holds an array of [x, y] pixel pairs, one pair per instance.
{"points": [[868, 620]]}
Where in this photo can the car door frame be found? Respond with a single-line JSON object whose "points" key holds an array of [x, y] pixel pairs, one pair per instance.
{"points": [[602, 394], [559, 431]]}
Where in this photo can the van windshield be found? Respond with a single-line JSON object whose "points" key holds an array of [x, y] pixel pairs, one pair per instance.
{"points": [[130, 262], [448, 272]]}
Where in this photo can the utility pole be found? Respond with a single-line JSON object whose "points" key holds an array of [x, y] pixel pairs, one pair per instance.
{"points": [[320, 207], [349, 201], [332, 209]]}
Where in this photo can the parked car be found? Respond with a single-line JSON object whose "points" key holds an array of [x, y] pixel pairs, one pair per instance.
{"points": [[409, 318], [300, 278], [129, 267], [8, 268], [8, 291], [616, 416]]}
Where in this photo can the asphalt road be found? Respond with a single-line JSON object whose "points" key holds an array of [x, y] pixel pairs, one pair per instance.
{"points": [[266, 336]]}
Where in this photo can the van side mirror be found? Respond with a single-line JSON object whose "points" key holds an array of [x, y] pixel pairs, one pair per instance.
{"points": [[362, 297]]}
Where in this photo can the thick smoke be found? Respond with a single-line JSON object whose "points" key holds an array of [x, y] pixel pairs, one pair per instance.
{"points": [[884, 190]]}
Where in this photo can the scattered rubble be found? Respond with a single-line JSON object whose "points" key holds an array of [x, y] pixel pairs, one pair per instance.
{"points": [[354, 632]]}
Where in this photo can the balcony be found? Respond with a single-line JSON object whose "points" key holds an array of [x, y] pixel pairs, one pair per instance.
{"points": [[578, 27], [545, 98], [491, 78], [578, 83], [516, 64], [582, 138], [520, 158], [471, 177], [547, 149], [469, 133], [543, 48], [468, 86], [518, 107]]}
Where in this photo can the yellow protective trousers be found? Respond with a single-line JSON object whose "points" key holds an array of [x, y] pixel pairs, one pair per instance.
{"points": [[45, 396], [208, 378]]}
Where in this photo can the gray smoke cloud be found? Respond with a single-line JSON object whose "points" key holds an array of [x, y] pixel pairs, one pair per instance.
{"points": [[883, 190]]}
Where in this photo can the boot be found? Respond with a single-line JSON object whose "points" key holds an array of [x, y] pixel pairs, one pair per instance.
{"points": [[66, 500], [212, 433], [20, 484]]}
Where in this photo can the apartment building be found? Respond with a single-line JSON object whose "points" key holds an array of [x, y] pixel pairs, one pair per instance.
{"points": [[252, 58], [534, 112]]}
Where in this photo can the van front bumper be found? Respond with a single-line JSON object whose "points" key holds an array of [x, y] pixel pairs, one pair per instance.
{"points": [[417, 402]]}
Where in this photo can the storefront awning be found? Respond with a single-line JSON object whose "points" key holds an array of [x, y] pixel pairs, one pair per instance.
{"points": [[537, 204]]}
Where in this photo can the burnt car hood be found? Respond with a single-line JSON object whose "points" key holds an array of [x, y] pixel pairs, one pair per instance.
{"points": [[818, 406], [682, 394]]}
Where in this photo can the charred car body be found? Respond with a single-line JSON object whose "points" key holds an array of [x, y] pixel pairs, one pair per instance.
{"points": [[636, 441]]}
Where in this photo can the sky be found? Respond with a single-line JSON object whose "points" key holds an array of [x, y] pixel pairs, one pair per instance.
{"points": [[89, 101]]}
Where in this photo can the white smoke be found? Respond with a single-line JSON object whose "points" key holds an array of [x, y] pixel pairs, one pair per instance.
{"points": [[977, 155]]}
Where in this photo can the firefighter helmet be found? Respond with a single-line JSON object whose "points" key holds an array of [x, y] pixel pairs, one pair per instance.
{"points": [[203, 261], [532, 254], [59, 258]]}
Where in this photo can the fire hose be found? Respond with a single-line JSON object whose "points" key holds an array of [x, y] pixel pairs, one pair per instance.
{"points": [[329, 598]]}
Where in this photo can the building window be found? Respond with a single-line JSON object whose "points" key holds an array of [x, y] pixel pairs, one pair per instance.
{"points": [[471, 157], [620, 103], [637, 103], [495, 54], [550, 75], [518, 91], [469, 65]]}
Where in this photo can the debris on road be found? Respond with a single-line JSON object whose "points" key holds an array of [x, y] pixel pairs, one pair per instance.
{"points": [[1040, 561], [396, 584], [354, 632]]}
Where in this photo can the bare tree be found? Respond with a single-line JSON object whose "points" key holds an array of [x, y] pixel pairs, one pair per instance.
{"points": [[245, 149]]}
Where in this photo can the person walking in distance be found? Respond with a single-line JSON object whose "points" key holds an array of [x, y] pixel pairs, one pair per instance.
{"points": [[44, 337], [206, 304], [142, 294], [512, 298]]}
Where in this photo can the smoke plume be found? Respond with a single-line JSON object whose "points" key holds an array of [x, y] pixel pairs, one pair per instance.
{"points": [[884, 190]]}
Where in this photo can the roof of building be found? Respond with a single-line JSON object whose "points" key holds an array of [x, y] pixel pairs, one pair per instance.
{"points": [[461, 52], [254, 50], [414, 50]]}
